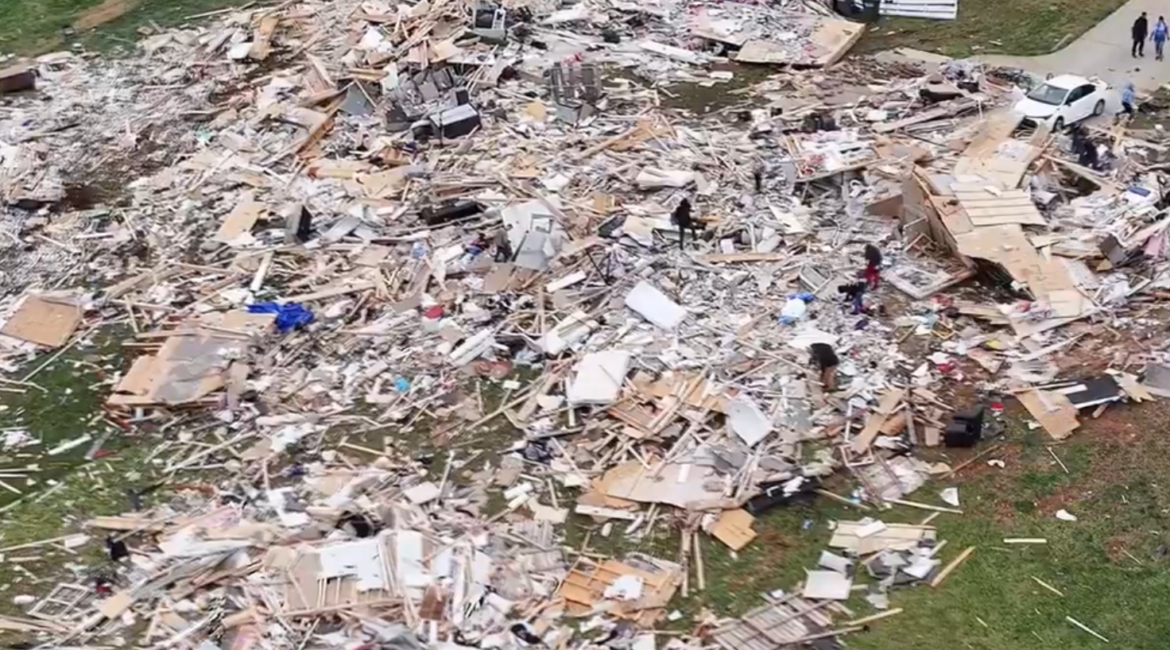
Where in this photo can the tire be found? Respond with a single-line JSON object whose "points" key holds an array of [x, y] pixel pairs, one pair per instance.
{"points": [[1058, 124], [1099, 108]]}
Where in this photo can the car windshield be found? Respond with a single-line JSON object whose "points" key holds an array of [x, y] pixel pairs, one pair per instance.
{"points": [[1046, 94]]}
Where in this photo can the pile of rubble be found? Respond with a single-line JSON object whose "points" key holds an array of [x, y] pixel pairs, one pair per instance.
{"points": [[326, 223]]}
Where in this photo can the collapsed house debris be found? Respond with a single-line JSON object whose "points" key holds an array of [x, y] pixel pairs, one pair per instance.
{"points": [[345, 232]]}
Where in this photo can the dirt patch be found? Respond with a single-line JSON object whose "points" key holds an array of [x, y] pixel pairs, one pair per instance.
{"points": [[107, 11], [1118, 545], [1062, 498], [104, 181]]}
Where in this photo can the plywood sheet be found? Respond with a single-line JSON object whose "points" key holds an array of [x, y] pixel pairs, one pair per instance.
{"points": [[829, 40], [997, 127], [1008, 246], [681, 485], [1053, 411], [985, 208], [43, 322], [734, 528]]}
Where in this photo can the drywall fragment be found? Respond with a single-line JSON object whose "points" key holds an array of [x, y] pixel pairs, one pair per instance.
{"points": [[422, 493], [827, 585], [747, 420], [598, 378], [655, 306]]}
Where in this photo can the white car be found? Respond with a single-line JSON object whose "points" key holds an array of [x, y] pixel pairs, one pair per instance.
{"points": [[1063, 100]]}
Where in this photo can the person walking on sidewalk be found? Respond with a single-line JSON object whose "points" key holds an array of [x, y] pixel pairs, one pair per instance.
{"points": [[1141, 29], [1158, 36]]}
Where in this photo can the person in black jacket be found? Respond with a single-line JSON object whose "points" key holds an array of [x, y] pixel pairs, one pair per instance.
{"points": [[683, 219], [824, 358], [1141, 29]]}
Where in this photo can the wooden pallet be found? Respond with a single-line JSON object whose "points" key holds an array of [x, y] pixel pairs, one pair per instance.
{"points": [[776, 626]]}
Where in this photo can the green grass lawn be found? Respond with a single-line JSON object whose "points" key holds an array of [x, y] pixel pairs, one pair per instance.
{"points": [[37, 26], [1116, 486], [1021, 27]]}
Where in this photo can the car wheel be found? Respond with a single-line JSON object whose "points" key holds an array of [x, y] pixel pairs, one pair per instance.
{"points": [[1099, 108], [1058, 124]]}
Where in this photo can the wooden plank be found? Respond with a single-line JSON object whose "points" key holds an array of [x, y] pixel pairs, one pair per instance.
{"points": [[948, 569], [875, 617], [126, 523], [240, 220], [988, 201], [875, 421], [1004, 220], [607, 513], [977, 192], [742, 257], [997, 210]]}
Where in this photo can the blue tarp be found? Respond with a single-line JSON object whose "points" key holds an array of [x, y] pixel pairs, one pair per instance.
{"points": [[289, 316]]}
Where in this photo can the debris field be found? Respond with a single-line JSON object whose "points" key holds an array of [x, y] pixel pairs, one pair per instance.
{"points": [[413, 289]]}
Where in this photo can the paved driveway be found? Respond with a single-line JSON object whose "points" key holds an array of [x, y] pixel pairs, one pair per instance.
{"points": [[1104, 52]]}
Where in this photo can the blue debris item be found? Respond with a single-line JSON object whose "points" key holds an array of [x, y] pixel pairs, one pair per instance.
{"points": [[401, 384], [289, 316], [796, 307]]}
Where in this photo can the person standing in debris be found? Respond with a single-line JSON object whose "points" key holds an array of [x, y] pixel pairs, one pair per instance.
{"points": [[503, 246], [873, 266], [1158, 36], [822, 356], [683, 219], [854, 293], [1128, 97], [1083, 147], [1140, 30]]}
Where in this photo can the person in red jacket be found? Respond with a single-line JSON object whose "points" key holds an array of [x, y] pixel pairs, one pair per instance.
{"points": [[873, 266]]}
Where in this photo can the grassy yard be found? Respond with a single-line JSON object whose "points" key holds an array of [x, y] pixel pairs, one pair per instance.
{"points": [[37, 26], [1110, 565], [1020, 27], [1107, 564]]}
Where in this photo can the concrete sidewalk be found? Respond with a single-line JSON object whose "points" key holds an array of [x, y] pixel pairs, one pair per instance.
{"points": [[1103, 52]]}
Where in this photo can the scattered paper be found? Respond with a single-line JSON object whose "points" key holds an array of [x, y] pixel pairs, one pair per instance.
{"points": [[625, 588], [950, 496]]}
